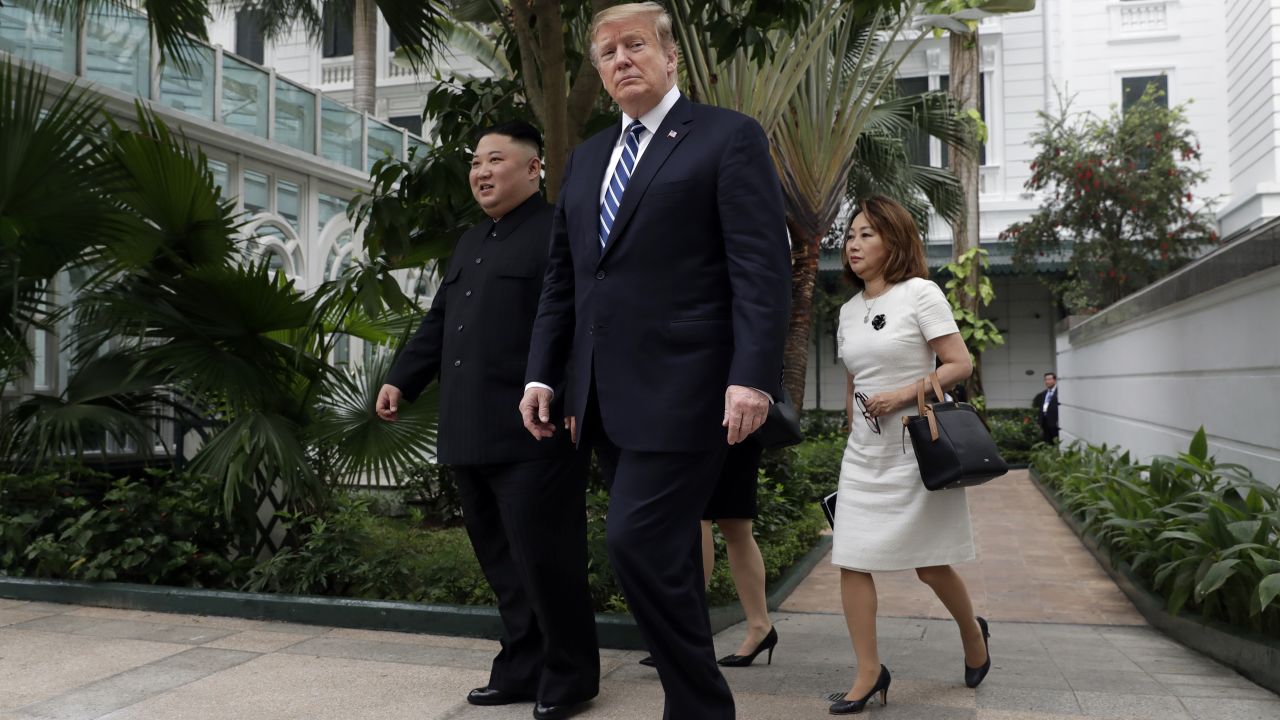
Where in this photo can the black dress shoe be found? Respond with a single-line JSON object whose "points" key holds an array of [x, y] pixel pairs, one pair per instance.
{"points": [[769, 642], [974, 676], [555, 712], [648, 661], [494, 696], [853, 707]]}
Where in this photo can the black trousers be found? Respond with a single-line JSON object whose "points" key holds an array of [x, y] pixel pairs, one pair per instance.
{"points": [[655, 546], [527, 523]]}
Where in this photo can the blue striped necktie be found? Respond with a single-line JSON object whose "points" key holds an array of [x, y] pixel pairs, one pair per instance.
{"points": [[618, 183]]}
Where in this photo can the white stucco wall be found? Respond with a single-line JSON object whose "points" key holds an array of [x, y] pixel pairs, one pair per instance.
{"points": [[1211, 360]]}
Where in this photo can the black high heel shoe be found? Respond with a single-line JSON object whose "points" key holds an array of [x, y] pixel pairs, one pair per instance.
{"points": [[769, 642], [853, 707], [973, 676]]}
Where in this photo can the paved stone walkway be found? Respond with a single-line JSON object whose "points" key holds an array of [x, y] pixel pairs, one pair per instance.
{"points": [[1070, 660]]}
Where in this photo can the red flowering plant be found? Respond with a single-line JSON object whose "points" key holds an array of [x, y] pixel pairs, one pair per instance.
{"points": [[1118, 198]]}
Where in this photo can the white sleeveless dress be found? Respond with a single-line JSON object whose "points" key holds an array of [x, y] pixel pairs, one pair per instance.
{"points": [[885, 518]]}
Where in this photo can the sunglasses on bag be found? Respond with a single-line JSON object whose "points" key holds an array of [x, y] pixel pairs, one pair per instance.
{"points": [[872, 422]]}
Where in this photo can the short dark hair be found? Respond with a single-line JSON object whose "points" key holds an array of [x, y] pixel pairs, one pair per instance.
{"points": [[898, 232], [517, 130], [1052, 375]]}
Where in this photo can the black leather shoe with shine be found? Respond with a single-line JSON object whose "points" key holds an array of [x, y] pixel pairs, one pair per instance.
{"points": [[494, 696], [555, 712]]}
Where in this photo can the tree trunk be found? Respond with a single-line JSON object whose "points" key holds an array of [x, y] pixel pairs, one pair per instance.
{"points": [[562, 110], [965, 76], [364, 56], [804, 276]]}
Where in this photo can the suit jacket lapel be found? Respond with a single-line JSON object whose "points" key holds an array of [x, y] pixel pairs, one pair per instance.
{"points": [[594, 163], [675, 127]]}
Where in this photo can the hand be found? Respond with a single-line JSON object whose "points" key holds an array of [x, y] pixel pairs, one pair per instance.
{"points": [[882, 404], [535, 409], [571, 424], [388, 405], [744, 411]]}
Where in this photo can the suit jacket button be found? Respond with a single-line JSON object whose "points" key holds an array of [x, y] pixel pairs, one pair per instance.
{"points": [[600, 275], [478, 260], [459, 328], [467, 293], [457, 363]]}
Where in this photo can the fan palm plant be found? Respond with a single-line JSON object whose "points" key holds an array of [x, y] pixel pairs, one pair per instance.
{"points": [[830, 106], [167, 320]]}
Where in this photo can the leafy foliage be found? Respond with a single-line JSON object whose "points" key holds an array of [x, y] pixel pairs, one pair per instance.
{"points": [[163, 529], [1118, 197], [1016, 432], [979, 333], [1200, 533]]}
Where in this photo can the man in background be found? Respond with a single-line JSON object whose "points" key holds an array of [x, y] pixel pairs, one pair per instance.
{"points": [[1046, 404]]}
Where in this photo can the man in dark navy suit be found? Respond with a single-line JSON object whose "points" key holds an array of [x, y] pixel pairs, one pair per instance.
{"points": [[667, 296], [1046, 405], [523, 501]]}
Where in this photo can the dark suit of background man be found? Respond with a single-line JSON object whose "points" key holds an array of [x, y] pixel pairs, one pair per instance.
{"points": [[523, 502], [669, 306], [1046, 405]]}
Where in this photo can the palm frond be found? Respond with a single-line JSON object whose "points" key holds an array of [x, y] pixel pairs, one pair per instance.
{"points": [[171, 21], [256, 450], [107, 397], [367, 448]]}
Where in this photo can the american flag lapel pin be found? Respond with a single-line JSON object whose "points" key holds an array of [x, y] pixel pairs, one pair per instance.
{"points": [[671, 133]]}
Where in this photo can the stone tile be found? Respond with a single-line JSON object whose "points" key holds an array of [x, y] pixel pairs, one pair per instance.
{"points": [[392, 652], [15, 616], [212, 621], [288, 687], [1213, 709], [58, 624], [1000, 697], [256, 641], [989, 714], [35, 666], [1229, 679], [135, 685], [1147, 707], [1184, 666], [130, 630], [1113, 681], [1252, 692], [444, 641]]}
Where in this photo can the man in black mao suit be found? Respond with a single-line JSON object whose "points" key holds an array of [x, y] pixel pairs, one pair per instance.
{"points": [[523, 501], [667, 295], [1046, 405]]}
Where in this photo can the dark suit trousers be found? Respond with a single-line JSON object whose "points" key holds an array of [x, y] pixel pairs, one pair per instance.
{"points": [[655, 545], [527, 523]]}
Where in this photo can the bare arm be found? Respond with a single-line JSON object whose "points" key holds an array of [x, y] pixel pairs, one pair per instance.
{"points": [[956, 367]]}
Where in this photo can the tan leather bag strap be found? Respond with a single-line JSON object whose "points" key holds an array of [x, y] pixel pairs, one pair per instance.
{"points": [[927, 410]]}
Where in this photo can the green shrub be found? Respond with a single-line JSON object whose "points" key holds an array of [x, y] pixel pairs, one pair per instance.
{"points": [[351, 552], [1201, 534], [1016, 431], [165, 529]]}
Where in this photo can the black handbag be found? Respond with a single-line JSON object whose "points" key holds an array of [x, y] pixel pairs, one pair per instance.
{"points": [[782, 426], [953, 446]]}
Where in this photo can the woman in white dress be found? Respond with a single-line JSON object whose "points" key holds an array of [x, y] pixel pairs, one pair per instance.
{"points": [[890, 333]]}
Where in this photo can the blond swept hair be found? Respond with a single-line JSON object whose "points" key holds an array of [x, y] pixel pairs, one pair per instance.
{"points": [[629, 11]]}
